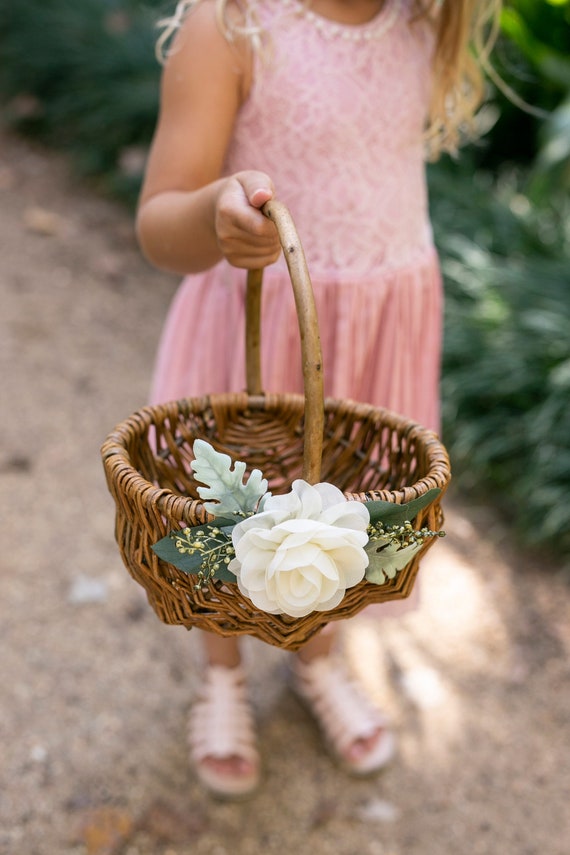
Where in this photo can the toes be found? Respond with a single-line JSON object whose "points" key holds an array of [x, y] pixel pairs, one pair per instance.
{"points": [[230, 767], [361, 748]]}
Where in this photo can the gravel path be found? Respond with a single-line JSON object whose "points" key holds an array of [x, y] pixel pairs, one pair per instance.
{"points": [[94, 690]]}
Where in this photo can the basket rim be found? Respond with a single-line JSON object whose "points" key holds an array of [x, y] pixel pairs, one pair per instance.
{"points": [[118, 465]]}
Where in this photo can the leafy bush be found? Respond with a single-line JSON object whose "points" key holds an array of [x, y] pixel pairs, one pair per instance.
{"points": [[532, 57], [83, 77], [506, 377]]}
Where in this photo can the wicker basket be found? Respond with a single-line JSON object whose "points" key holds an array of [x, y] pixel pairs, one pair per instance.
{"points": [[368, 452]]}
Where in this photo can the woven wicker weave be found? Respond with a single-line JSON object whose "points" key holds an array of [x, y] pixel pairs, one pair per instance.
{"points": [[368, 452]]}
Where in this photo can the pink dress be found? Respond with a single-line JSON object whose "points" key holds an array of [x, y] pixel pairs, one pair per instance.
{"points": [[335, 116]]}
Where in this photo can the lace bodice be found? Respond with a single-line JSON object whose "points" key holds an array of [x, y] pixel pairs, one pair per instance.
{"points": [[335, 116]]}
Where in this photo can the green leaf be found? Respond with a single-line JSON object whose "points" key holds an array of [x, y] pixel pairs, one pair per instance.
{"points": [[393, 514], [216, 537], [167, 551], [385, 561], [224, 575], [224, 485]]}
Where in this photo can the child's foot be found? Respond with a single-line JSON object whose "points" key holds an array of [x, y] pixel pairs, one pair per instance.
{"points": [[222, 735], [355, 731]]}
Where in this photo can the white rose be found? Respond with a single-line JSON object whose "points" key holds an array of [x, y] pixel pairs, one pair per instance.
{"points": [[302, 550]]}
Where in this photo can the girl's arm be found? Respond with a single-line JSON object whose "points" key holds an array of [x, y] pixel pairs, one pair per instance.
{"points": [[189, 217]]}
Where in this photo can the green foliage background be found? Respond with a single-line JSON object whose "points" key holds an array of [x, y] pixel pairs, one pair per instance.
{"points": [[83, 77]]}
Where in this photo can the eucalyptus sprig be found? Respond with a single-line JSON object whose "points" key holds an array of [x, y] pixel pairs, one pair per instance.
{"points": [[203, 551], [212, 547], [400, 535], [391, 547]]}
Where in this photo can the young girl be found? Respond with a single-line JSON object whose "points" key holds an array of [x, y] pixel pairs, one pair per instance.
{"points": [[330, 106]]}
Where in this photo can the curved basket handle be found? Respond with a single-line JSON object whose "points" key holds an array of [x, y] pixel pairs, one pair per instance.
{"points": [[308, 328]]}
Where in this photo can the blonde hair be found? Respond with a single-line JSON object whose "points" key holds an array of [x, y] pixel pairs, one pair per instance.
{"points": [[465, 33]]}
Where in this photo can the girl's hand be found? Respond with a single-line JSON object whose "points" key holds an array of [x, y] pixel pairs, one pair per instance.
{"points": [[245, 236]]}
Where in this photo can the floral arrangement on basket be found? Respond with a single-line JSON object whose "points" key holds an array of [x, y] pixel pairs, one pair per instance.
{"points": [[295, 553]]}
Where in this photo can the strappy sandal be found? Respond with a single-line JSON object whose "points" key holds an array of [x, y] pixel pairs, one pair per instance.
{"points": [[344, 713], [221, 727]]}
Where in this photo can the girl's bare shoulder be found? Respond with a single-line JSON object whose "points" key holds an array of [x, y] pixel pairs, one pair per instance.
{"points": [[212, 38]]}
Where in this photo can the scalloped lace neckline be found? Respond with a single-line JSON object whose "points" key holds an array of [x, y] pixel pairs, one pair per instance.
{"points": [[373, 29]]}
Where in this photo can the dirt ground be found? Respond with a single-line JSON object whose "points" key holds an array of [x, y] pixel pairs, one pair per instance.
{"points": [[95, 690]]}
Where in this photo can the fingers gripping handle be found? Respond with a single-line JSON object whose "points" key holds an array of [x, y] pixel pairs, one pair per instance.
{"points": [[309, 330]]}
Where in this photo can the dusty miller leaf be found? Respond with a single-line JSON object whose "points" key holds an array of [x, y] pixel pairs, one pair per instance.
{"points": [[224, 485], [384, 562]]}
